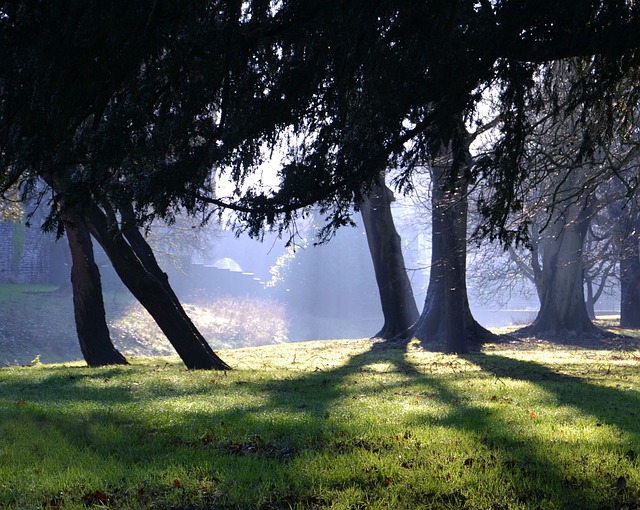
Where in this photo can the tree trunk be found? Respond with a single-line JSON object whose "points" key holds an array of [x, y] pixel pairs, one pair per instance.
{"points": [[396, 296], [590, 300], [563, 308], [630, 274], [88, 303], [430, 324], [446, 315], [133, 260], [142, 276]]}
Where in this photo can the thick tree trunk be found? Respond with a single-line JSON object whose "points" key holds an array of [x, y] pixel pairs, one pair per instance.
{"points": [[142, 276], [563, 308], [88, 303], [431, 325], [133, 260], [446, 315], [396, 296], [630, 275]]}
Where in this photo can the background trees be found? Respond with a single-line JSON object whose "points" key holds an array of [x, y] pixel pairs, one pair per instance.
{"points": [[129, 114]]}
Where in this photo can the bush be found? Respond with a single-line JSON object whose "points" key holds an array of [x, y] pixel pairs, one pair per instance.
{"points": [[226, 322]]}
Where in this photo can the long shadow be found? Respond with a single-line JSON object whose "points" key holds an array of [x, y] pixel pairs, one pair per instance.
{"points": [[338, 382], [498, 443], [616, 406], [250, 434]]}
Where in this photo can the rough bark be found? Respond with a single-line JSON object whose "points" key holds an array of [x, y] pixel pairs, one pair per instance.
{"points": [[133, 261], [446, 316], [630, 275], [396, 296], [88, 304], [563, 310]]}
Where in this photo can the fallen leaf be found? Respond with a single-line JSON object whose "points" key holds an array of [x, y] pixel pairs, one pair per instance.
{"points": [[178, 484], [532, 414], [21, 402], [208, 438], [94, 498], [494, 397], [106, 380]]}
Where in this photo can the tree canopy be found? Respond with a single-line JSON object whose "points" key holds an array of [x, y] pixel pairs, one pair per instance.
{"points": [[147, 103]]}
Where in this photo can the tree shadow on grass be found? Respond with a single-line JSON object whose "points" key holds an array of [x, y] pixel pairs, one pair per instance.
{"points": [[283, 424], [519, 457], [617, 406]]}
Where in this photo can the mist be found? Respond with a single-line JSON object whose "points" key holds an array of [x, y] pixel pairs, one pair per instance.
{"points": [[239, 292]]}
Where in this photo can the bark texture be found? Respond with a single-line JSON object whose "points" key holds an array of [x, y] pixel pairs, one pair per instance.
{"points": [[396, 296], [563, 309], [446, 315], [88, 304], [630, 274]]}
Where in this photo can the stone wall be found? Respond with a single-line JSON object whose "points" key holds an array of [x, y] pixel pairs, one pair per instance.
{"points": [[34, 266]]}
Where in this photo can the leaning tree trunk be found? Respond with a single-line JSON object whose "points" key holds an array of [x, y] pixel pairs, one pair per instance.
{"points": [[141, 275], [396, 296], [563, 309], [630, 274], [446, 316], [88, 303]]}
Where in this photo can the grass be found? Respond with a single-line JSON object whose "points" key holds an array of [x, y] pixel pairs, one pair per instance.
{"points": [[334, 424]]}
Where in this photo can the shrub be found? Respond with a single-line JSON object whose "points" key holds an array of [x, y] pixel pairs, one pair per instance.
{"points": [[226, 322]]}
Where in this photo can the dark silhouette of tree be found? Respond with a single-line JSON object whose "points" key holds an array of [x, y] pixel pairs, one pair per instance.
{"points": [[446, 316], [88, 304], [146, 101], [396, 295], [626, 220]]}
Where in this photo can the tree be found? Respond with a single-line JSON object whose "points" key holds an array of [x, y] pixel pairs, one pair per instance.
{"points": [[563, 304], [396, 295], [91, 326], [626, 221], [63, 144], [446, 315], [347, 86], [88, 304], [135, 264], [630, 276], [568, 155]]}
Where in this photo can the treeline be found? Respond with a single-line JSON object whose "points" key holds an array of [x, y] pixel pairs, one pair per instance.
{"points": [[116, 116]]}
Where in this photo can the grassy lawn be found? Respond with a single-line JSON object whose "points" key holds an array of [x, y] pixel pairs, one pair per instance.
{"points": [[339, 424]]}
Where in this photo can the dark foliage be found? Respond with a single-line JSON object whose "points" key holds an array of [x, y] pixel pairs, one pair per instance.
{"points": [[144, 102]]}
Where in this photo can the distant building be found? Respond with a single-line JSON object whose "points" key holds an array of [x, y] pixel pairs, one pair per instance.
{"points": [[27, 255]]}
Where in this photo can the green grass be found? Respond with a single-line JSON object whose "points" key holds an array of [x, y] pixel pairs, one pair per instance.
{"points": [[337, 424]]}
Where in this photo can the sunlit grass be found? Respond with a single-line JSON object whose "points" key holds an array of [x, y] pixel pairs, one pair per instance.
{"points": [[341, 424]]}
